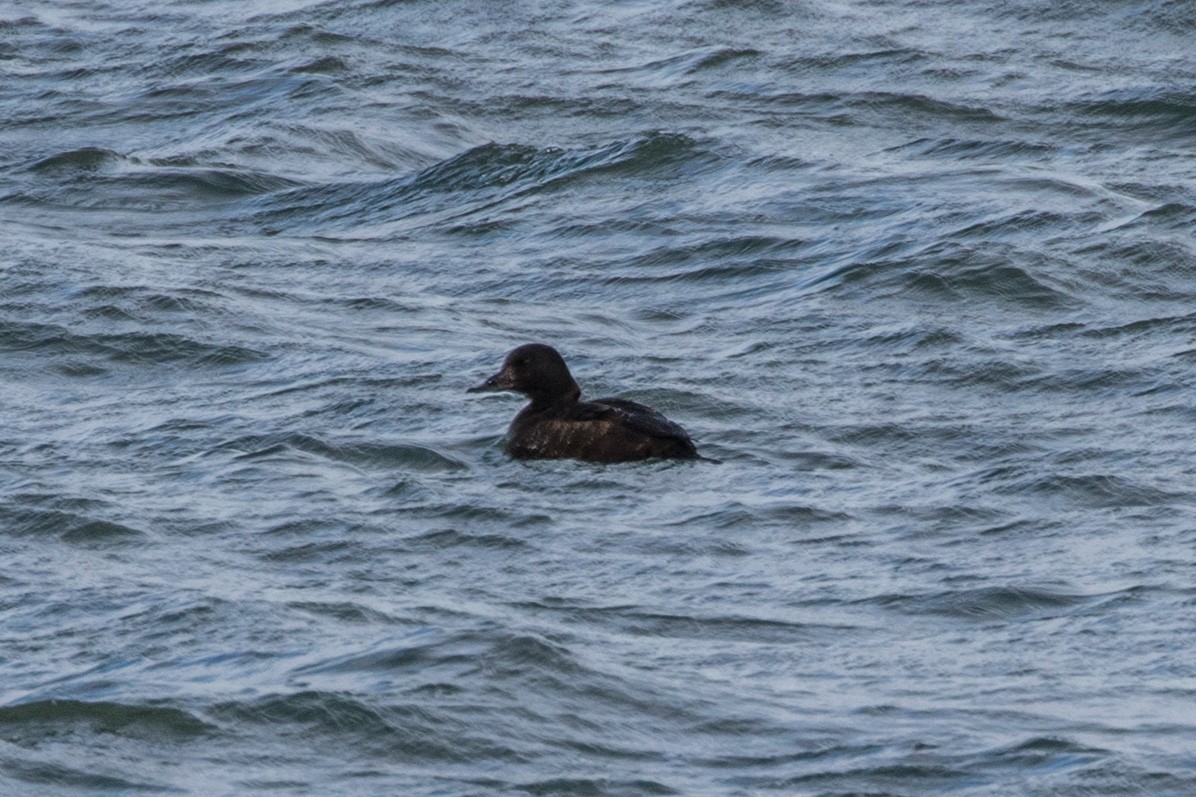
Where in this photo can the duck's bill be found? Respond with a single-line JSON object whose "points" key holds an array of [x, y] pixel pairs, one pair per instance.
{"points": [[500, 381]]}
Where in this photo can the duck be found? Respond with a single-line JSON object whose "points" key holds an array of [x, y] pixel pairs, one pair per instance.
{"points": [[557, 424]]}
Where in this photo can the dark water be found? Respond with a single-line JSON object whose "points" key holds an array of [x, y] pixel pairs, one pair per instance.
{"points": [[921, 275]]}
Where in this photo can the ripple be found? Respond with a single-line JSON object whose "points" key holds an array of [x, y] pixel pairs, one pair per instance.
{"points": [[594, 787], [952, 271], [1098, 490], [996, 281], [399, 456], [421, 651], [990, 603], [346, 611], [452, 538], [33, 770], [977, 148], [882, 104], [146, 348], [640, 622]]}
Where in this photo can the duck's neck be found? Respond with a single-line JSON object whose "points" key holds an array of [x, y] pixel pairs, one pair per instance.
{"points": [[556, 398]]}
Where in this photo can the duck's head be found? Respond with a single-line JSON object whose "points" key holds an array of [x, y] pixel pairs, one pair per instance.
{"points": [[537, 371]]}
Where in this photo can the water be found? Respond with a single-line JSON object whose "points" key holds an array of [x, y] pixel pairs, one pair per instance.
{"points": [[921, 276]]}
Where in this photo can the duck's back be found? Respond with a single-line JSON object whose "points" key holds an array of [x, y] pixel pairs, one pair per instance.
{"points": [[604, 430]]}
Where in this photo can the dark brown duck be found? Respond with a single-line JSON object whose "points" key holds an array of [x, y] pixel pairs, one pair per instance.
{"points": [[558, 425]]}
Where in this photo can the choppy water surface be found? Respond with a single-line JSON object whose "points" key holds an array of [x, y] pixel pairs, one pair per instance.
{"points": [[921, 276]]}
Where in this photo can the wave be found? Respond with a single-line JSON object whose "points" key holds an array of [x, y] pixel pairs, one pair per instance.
{"points": [[1178, 216], [409, 726], [35, 769], [140, 347], [1176, 326], [988, 603], [592, 787], [1161, 108], [409, 456], [67, 526], [146, 721], [736, 515], [640, 621], [1096, 490], [868, 107], [85, 159], [474, 180], [976, 148], [958, 271], [445, 539], [98, 178], [407, 732]]}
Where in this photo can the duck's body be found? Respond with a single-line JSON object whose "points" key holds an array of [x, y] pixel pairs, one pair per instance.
{"points": [[605, 430], [558, 425]]}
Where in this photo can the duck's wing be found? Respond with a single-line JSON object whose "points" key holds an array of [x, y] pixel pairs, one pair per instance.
{"points": [[639, 417]]}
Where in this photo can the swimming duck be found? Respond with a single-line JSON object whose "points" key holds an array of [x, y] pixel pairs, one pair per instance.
{"points": [[558, 425]]}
